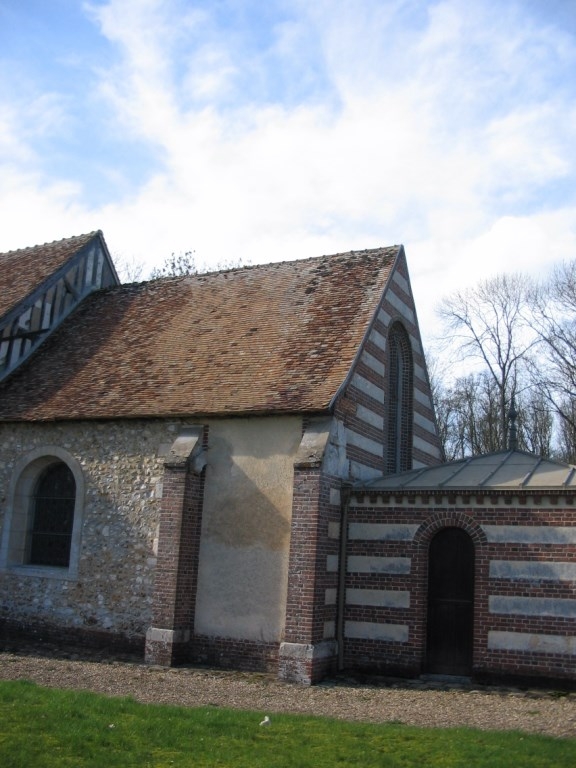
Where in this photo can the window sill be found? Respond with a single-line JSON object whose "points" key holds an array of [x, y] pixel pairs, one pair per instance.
{"points": [[43, 571]]}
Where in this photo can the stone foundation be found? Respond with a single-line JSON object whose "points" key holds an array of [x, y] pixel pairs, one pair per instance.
{"points": [[307, 664], [18, 632]]}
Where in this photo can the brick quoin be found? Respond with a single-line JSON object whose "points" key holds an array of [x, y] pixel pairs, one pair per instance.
{"points": [[302, 624]]}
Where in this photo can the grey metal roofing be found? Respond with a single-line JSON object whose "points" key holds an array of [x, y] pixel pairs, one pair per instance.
{"points": [[501, 470]]}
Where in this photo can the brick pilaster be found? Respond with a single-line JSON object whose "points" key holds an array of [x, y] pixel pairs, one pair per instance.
{"points": [[178, 551], [306, 654]]}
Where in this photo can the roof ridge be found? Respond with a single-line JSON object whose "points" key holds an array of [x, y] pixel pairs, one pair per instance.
{"points": [[246, 267], [86, 235]]}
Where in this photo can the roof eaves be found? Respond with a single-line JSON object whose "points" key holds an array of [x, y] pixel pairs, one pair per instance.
{"points": [[155, 416], [464, 490]]}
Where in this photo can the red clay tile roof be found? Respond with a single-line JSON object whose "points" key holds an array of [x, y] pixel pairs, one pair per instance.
{"points": [[24, 270], [275, 338]]}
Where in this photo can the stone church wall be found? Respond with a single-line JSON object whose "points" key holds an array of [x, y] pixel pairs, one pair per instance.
{"points": [[243, 558], [108, 594], [122, 465]]}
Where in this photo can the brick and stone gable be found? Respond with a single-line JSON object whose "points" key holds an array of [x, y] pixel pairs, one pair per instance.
{"points": [[363, 404]]}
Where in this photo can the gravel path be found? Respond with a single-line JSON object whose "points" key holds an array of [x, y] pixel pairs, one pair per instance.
{"points": [[534, 711]]}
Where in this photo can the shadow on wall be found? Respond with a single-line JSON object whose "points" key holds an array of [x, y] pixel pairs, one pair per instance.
{"points": [[245, 542]]}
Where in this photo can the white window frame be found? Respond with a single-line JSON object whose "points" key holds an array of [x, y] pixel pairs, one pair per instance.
{"points": [[18, 518]]}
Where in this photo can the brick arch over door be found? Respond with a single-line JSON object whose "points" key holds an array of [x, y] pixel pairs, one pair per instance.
{"points": [[448, 519], [433, 602], [400, 406]]}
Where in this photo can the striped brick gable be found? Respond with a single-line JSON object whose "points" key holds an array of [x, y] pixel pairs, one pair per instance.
{"points": [[363, 402]]}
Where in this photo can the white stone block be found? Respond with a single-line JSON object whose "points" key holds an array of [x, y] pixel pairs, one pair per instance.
{"points": [[531, 643], [382, 531], [391, 565], [381, 598], [529, 570], [368, 630]]}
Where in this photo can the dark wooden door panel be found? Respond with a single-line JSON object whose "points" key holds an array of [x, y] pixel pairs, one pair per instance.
{"points": [[450, 603]]}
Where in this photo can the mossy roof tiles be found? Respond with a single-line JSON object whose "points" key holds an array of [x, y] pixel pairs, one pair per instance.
{"points": [[22, 271], [280, 337]]}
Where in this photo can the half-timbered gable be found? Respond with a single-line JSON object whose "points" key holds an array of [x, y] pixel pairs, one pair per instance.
{"points": [[41, 286]]}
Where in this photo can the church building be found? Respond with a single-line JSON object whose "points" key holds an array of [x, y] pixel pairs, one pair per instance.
{"points": [[242, 469]]}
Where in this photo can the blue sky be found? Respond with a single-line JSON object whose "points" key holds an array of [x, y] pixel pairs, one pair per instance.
{"points": [[283, 129]]}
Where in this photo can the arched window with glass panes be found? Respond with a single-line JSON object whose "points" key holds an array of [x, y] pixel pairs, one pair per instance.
{"points": [[52, 518], [400, 391], [42, 528]]}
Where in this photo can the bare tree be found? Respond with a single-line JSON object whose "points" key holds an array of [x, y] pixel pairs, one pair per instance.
{"points": [[535, 422], [488, 324], [129, 268], [566, 441], [467, 415], [468, 418], [176, 265], [441, 403], [479, 413], [554, 310]]}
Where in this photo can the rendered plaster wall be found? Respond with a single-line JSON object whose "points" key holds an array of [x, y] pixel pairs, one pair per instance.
{"points": [[243, 563], [122, 465]]}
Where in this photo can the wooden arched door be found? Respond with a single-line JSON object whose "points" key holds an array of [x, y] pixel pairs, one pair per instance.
{"points": [[450, 603]]}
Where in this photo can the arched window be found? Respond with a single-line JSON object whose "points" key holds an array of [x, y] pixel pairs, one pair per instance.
{"points": [[400, 400], [52, 519], [42, 528]]}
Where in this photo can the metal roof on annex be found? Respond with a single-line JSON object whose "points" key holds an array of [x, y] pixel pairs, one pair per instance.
{"points": [[502, 470]]}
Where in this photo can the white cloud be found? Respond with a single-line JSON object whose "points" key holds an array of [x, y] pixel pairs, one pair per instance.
{"points": [[12, 147], [313, 128], [36, 212], [25, 119]]}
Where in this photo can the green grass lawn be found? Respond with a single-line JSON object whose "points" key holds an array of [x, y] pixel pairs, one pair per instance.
{"points": [[46, 728]]}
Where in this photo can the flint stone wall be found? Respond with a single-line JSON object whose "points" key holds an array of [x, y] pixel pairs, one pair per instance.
{"points": [[122, 464]]}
